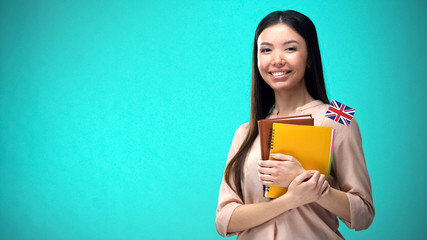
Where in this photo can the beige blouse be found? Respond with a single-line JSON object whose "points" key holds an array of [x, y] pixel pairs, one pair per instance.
{"points": [[310, 221]]}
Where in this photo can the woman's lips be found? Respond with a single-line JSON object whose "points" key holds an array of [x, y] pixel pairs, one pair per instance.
{"points": [[280, 74]]}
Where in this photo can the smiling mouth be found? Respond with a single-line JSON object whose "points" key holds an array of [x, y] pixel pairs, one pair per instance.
{"points": [[280, 74]]}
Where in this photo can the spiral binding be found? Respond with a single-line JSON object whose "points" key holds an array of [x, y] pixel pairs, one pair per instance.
{"points": [[270, 146], [271, 143]]}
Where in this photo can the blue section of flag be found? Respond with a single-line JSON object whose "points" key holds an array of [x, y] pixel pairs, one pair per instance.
{"points": [[340, 113]]}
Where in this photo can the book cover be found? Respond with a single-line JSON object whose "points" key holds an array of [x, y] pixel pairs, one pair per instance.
{"points": [[312, 146]]}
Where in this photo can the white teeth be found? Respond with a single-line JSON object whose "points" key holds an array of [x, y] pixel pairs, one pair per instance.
{"points": [[278, 73]]}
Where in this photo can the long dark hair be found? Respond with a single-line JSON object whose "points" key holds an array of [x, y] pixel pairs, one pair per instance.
{"points": [[262, 95]]}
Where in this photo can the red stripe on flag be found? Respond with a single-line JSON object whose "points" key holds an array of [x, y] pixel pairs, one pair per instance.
{"points": [[340, 112]]}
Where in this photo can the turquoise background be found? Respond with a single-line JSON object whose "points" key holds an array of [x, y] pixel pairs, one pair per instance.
{"points": [[116, 116]]}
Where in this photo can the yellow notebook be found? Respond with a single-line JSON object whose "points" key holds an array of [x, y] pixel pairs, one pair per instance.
{"points": [[312, 146]]}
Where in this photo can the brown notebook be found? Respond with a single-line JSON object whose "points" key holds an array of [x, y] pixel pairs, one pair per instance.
{"points": [[265, 126]]}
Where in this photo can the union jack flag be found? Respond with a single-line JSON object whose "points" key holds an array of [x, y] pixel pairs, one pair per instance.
{"points": [[340, 113]]}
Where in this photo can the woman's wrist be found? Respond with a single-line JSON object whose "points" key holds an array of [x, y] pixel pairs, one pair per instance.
{"points": [[288, 201]]}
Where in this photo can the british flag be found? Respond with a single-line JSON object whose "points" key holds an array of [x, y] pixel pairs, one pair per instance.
{"points": [[340, 113]]}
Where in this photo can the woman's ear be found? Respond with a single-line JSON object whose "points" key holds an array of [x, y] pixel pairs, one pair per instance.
{"points": [[308, 63]]}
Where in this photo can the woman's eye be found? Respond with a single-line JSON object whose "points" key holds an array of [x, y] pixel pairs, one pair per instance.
{"points": [[265, 50], [291, 49]]}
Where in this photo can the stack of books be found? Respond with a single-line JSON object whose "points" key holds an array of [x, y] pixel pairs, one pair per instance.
{"points": [[296, 136]]}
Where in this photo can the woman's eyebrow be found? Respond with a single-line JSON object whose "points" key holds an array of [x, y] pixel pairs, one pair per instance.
{"points": [[291, 41], [285, 43], [266, 43]]}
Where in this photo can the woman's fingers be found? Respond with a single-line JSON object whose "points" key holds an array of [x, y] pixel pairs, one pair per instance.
{"points": [[265, 163], [308, 187], [282, 171], [279, 156], [267, 168], [321, 180], [325, 188], [320, 183], [264, 168], [315, 178], [302, 177], [265, 177], [267, 183], [264, 173]]}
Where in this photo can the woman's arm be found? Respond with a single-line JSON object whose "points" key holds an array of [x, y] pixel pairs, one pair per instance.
{"points": [[350, 176], [305, 188], [336, 202], [251, 215]]}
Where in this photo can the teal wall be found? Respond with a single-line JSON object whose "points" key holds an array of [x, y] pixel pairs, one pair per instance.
{"points": [[116, 116]]}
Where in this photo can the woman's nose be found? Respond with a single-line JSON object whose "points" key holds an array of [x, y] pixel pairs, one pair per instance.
{"points": [[278, 59]]}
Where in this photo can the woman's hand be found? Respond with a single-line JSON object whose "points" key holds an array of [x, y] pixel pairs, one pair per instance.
{"points": [[279, 173], [308, 187]]}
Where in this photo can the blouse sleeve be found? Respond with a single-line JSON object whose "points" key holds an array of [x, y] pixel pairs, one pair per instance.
{"points": [[352, 175], [228, 199]]}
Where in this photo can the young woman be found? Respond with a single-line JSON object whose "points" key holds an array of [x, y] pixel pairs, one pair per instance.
{"points": [[287, 80]]}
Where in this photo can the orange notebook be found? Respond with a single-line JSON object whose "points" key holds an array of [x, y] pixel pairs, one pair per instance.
{"points": [[312, 146]]}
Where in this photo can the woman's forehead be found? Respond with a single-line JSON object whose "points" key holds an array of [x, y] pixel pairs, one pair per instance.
{"points": [[278, 33]]}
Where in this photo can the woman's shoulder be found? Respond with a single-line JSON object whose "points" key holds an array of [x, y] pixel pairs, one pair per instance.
{"points": [[343, 128], [240, 134], [242, 129], [323, 117]]}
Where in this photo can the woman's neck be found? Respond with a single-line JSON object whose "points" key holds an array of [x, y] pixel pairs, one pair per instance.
{"points": [[288, 101]]}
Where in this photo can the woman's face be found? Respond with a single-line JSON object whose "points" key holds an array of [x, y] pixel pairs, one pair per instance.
{"points": [[282, 57]]}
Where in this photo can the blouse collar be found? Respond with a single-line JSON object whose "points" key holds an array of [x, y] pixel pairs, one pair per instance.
{"points": [[308, 105]]}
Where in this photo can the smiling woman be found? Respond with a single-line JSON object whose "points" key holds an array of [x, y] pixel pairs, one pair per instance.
{"points": [[282, 58], [287, 79]]}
